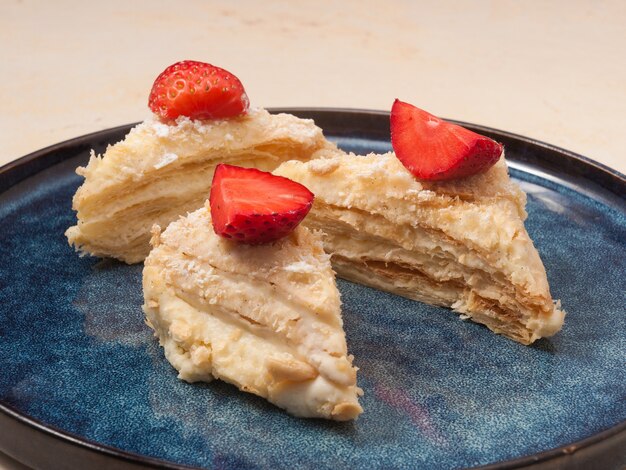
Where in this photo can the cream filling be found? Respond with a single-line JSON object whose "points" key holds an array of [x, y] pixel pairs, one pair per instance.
{"points": [[269, 314], [180, 180], [206, 341], [117, 222], [446, 272]]}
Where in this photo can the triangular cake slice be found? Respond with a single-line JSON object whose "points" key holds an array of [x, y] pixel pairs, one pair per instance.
{"points": [[265, 318], [160, 171], [460, 244]]}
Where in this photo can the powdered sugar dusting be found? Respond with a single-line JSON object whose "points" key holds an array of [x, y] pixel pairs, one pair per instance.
{"points": [[160, 129], [376, 166]]}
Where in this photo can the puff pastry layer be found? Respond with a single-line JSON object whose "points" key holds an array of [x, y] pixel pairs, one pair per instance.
{"points": [[264, 318], [460, 244], [160, 171]]}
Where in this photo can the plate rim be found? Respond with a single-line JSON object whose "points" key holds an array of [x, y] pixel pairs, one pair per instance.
{"points": [[34, 162]]}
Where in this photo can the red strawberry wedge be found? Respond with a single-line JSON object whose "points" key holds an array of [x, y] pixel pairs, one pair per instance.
{"points": [[253, 206], [433, 149], [197, 90]]}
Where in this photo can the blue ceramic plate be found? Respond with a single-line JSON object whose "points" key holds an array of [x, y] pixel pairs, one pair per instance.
{"points": [[84, 382]]}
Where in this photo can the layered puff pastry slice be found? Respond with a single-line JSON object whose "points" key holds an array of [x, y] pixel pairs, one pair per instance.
{"points": [[265, 318], [160, 171], [460, 244]]}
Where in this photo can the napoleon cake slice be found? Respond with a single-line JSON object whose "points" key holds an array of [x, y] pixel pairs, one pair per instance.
{"points": [[459, 243], [160, 171], [164, 166], [265, 318]]}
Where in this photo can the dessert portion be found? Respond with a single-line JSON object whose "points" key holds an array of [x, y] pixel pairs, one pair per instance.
{"points": [[163, 167], [459, 243], [264, 317]]}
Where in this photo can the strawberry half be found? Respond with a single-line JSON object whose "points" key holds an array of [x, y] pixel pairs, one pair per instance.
{"points": [[197, 90], [253, 206], [433, 149]]}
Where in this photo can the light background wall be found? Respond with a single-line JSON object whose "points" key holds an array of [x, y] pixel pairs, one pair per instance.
{"points": [[555, 71]]}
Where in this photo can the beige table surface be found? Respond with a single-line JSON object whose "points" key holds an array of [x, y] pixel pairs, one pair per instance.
{"points": [[555, 71]]}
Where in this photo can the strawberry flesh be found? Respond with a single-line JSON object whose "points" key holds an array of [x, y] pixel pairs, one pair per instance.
{"points": [[197, 90], [433, 149], [255, 207]]}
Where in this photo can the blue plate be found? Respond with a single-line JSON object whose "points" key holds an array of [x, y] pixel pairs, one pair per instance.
{"points": [[85, 382]]}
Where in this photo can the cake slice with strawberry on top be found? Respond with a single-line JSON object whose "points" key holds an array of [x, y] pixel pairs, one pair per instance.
{"points": [[238, 291], [438, 221], [163, 167]]}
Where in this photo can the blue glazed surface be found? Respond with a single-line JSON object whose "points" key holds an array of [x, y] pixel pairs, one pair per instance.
{"points": [[439, 392]]}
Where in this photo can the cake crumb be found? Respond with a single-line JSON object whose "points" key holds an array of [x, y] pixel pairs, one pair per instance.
{"points": [[324, 166], [166, 159]]}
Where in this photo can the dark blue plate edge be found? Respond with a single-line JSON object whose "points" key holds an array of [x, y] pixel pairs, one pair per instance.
{"points": [[56, 447], [73, 449], [342, 122]]}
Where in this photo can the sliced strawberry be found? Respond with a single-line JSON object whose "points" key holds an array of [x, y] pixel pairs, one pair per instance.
{"points": [[197, 90], [253, 206], [433, 149]]}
